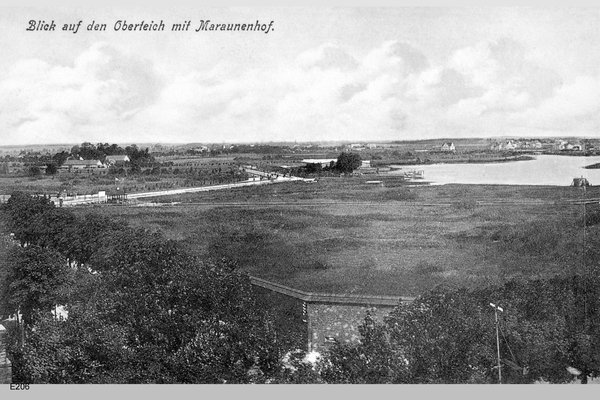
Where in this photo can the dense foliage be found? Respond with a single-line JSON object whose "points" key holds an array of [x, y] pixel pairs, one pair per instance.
{"points": [[140, 310], [143, 310], [89, 151], [449, 336], [348, 162]]}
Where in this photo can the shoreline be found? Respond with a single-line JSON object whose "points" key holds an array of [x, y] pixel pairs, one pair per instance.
{"points": [[463, 161]]}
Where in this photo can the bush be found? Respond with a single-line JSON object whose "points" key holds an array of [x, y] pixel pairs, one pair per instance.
{"points": [[592, 216], [401, 194], [34, 171], [427, 267], [467, 204]]}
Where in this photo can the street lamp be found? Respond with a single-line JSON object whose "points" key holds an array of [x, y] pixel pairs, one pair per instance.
{"points": [[496, 309]]}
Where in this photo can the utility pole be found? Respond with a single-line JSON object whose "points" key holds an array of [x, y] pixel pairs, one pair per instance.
{"points": [[496, 308], [583, 253], [584, 226]]}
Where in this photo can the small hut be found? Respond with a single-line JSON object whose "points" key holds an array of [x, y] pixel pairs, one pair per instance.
{"points": [[580, 182]]}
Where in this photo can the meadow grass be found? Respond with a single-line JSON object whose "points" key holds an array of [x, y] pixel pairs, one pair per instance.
{"points": [[347, 237]]}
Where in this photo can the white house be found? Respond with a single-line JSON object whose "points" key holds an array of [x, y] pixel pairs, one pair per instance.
{"points": [[508, 145], [116, 159], [564, 145], [577, 147], [325, 162], [82, 164], [448, 146]]}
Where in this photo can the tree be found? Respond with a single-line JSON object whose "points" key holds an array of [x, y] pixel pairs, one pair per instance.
{"points": [[56, 228], [348, 162], [376, 359], [34, 170], [87, 236], [81, 349], [34, 281], [142, 311], [448, 336], [313, 168], [178, 320], [21, 213], [60, 158], [445, 337], [51, 169], [88, 151], [75, 150], [583, 322], [201, 319], [135, 168]]}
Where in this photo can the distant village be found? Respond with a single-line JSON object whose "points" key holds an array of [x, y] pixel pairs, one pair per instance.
{"points": [[55, 159]]}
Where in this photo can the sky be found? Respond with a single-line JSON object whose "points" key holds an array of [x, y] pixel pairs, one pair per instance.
{"points": [[320, 74]]}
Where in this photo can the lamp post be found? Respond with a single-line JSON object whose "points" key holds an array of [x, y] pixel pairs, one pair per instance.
{"points": [[496, 309]]}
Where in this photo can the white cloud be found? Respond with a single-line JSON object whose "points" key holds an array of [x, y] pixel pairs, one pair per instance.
{"points": [[572, 106], [393, 91], [327, 56], [102, 87]]}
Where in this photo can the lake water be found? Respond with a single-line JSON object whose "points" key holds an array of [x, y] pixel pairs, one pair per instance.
{"points": [[543, 170]]}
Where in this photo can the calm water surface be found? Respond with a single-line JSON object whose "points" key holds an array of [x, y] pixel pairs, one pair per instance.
{"points": [[544, 170]]}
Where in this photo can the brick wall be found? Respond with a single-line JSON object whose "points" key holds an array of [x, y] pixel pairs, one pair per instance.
{"points": [[305, 319], [338, 321], [5, 364]]}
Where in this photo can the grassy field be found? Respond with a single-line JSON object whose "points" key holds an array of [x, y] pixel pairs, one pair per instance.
{"points": [[93, 184], [347, 236], [84, 185]]}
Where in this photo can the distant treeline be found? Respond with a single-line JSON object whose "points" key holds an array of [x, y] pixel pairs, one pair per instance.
{"points": [[89, 151]]}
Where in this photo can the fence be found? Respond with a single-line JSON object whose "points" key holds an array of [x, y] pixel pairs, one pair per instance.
{"points": [[5, 364]]}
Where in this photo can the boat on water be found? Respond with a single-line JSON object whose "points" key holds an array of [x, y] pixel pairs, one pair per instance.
{"points": [[414, 174]]}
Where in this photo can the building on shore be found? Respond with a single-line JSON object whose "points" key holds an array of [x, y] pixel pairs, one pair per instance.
{"points": [[448, 146]]}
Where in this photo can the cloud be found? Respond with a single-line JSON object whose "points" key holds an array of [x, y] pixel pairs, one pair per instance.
{"points": [[505, 77], [103, 86], [571, 106], [396, 57], [393, 91], [328, 56], [453, 86]]}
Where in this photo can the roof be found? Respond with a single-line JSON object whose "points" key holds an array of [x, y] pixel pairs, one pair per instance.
{"points": [[318, 160], [448, 144], [82, 162], [118, 157], [353, 299]]}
